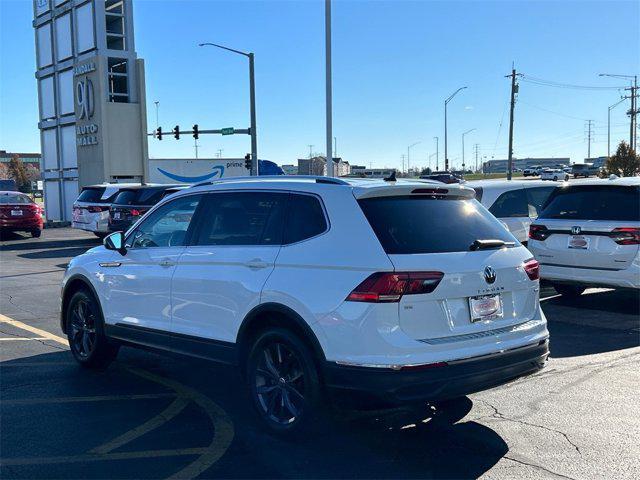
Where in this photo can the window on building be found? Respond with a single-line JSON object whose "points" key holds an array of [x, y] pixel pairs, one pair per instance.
{"points": [[118, 80], [114, 23]]}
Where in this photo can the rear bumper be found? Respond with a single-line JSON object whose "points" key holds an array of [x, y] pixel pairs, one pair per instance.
{"points": [[21, 224], [101, 226], [591, 277], [455, 379]]}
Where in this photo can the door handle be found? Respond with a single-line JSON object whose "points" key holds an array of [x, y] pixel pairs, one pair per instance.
{"points": [[167, 263], [256, 263]]}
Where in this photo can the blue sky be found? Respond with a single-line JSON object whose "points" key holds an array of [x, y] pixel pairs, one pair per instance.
{"points": [[394, 64]]}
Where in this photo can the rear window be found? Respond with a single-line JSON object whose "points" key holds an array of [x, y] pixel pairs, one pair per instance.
{"points": [[141, 196], [9, 198], [594, 202], [416, 224], [91, 195]]}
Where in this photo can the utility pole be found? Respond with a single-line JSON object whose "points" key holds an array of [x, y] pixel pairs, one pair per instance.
{"points": [[402, 163], [329, 100], [589, 122], [609, 124], [634, 110], [514, 91], [476, 149], [335, 147]]}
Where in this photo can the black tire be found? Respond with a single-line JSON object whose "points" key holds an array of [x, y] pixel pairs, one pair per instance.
{"points": [[85, 332], [570, 291], [555, 179], [36, 233], [283, 382]]}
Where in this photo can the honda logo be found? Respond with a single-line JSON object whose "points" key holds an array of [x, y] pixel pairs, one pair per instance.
{"points": [[489, 274], [575, 230]]}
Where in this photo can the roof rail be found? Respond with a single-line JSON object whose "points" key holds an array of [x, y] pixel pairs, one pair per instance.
{"points": [[317, 179]]}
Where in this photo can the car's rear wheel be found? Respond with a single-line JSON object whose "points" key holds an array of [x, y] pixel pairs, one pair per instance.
{"points": [[85, 332], [36, 232], [283, 381], [569, 290]]}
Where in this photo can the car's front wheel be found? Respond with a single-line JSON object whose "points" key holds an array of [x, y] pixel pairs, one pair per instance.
{"points": [[85, 332], [283, 381], [36, 232], [570, 291]]}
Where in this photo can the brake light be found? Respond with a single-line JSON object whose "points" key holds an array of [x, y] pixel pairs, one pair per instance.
{"points": [[538, 232], [385, 287], [626, 235], [135, 212], [532, 269], [96, 209]]}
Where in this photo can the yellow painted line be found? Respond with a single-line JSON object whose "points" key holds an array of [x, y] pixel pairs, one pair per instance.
{"points": [[20, 339], [96, 398], [30, 328], [167, 414], [102, 457]]}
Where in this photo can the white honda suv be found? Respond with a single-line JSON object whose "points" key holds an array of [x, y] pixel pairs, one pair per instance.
{"points": [[394, 291], [588, 235]]}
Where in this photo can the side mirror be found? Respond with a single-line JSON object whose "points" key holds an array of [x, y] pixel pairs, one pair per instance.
{"points": [[115, 241]]}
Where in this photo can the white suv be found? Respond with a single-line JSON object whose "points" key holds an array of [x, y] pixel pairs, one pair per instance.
{"points": [[399, 290], [588, 235]]}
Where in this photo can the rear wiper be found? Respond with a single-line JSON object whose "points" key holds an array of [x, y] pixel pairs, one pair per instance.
{"points": [[489, 243]]}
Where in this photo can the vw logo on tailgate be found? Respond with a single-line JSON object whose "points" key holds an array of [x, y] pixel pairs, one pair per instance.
{"points": [[489, 274]]}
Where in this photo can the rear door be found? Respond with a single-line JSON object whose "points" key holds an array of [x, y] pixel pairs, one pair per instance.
{"points": [[220, 276], [422, 234], [591, 226]]}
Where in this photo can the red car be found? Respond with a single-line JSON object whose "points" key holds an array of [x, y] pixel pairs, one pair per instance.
{"points": [[19, 213]]}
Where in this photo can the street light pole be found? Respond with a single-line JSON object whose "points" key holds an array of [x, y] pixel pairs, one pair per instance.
{"points": [[468, 131], [409, 153], [329, 99], [437, 154], [252, 99], [446, 102], [609, 125], [633, 112]]}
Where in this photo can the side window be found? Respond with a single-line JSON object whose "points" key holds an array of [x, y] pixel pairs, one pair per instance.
{"points": [[537, 196], [167, 226], [511, 204], [479, 191], [242, 218], [305, 218]]}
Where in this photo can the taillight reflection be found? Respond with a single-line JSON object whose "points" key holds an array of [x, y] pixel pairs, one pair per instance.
{"points": [[538, 232], [385, 287]]}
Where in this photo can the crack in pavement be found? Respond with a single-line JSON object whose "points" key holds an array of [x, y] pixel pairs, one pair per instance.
{"points": [[35, 340], [533, 465], [497, 414]]}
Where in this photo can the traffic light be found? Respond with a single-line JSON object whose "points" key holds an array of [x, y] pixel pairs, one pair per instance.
{"points": [[176, 132], [196, 134], [159, 133], [247, 161]]}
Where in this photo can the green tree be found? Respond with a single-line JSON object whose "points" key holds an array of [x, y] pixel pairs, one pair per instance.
{"points": [[18, 172], [625, 163]]}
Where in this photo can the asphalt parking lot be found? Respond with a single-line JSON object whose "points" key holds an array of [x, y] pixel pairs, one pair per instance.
{"points": [[150, 416]]}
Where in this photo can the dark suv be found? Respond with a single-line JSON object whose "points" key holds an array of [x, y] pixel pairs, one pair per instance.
{"points": [[133, 202]]}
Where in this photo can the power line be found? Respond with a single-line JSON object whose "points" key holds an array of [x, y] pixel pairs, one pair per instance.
{"points": [[551, 83]]}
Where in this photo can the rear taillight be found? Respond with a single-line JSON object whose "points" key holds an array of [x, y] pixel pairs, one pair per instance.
{"points": [[385, 287], [135, 212], [532, 269], [97, 209], [626, 235], [538, 232]]}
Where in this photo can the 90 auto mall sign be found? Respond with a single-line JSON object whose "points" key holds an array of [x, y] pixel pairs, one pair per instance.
{"points": [[86, 128]]}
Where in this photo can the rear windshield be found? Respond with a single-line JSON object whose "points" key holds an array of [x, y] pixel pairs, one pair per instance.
{"points": [[416, 224], [140, 196], [594, 202], [9, 198], [92, 195]]}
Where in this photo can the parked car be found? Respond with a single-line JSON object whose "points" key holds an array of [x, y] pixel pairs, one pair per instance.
{"points": [[567, 169], [131, 203], [18, 213], [554, 174], [589, 235], [91, 208], [532, 171], [584, 170], [443, 177], [314, 286], [516, 203]]}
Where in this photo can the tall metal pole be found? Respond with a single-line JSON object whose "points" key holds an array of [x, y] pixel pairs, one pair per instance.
{"points": [[437, 154], [446, 102], [468, 131], [329, 100], [157, 122], [609, 125], [408, 153], [513, 103], [254, 127]]}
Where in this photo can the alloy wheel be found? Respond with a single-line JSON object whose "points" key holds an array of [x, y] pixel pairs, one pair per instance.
{"points": [[280, 383], [83, 329]]}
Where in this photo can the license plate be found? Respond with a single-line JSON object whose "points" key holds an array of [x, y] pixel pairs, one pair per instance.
{"points": [[116, 216], [485, 307], [578, 242], [16, 213]]}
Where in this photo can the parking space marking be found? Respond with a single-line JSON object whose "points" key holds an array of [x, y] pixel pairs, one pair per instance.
{"points": [[97, 398], [21, 339], [207, 456], [38, 331]]}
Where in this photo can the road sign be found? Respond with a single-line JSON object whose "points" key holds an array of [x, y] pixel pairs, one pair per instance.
{"points": [[227, 131]]}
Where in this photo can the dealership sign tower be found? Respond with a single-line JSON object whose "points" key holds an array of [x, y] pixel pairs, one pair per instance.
{"points": [[91, 97]]}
